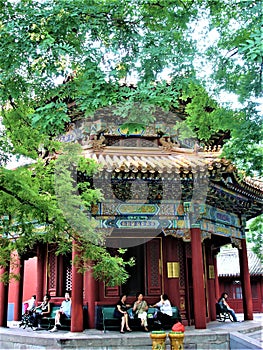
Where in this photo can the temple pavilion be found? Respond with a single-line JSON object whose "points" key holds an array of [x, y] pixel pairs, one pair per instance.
{"points": [[172, 204]]}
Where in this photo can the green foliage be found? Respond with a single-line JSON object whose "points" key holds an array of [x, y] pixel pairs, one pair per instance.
{"points": [[6, 149], [238, 55], [245, 146], [253, 47], [256, 232], [62, 51], [52, 117], [59, 54], [107, 268], [48, 194]]}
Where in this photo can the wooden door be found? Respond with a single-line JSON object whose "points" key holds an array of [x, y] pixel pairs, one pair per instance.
{"points": [[154, 267]]}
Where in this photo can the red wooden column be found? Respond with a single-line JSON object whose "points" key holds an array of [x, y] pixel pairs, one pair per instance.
{"points": [[245, 281], [91, 297], [40, 272], [77, 295], [198, 279], [18, 269], [3, 297]]}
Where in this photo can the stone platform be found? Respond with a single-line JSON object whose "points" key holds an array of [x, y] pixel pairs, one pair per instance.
{"points": [[218, 335]]}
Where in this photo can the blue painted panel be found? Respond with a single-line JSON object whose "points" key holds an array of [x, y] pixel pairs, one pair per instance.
{"points": [[10, 312]]}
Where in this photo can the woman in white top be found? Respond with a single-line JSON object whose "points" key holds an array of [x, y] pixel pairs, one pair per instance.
{"points": [[165, 312]]}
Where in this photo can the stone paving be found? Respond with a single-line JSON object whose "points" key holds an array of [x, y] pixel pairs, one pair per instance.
{"points": [[217, 335]]}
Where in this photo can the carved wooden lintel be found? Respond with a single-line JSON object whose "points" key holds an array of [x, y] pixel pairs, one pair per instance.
{"points": [[236, 243], [184, 234], [205, 235]]}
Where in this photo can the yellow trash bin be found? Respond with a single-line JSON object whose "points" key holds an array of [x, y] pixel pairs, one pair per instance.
{"points": [[158, 340]]}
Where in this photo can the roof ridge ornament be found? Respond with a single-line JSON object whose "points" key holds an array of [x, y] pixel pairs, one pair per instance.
{"points": [[168, 145], [98, 144]]}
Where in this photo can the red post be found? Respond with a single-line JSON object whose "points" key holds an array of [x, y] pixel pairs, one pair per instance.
{"points": [[198, 279], [245, 281], [77, 295], [91, 297], [40, 272], [3, 297]]}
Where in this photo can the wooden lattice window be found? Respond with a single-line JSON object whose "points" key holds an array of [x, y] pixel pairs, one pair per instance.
{"points": [[68, 280]]}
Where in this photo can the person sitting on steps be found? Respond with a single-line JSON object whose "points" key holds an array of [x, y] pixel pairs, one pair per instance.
{"points": [[63, 312]]}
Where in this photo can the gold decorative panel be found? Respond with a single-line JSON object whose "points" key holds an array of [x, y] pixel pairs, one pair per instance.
{"points": [[173, 269], [211, 272]]}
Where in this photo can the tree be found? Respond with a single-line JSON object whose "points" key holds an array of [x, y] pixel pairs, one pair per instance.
{"points": [[29, 198], [255, 228], [57, 53], [101, 42], [237, 60]]}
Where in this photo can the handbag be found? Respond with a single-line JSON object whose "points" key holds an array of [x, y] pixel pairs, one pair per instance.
{"points": [[131, 314], [38, 311]]}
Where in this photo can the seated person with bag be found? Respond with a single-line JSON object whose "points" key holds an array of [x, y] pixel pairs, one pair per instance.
{"points": [[42, 310], [140, 308]]}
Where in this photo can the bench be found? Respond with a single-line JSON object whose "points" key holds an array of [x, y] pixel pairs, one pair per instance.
{"points": [[175, 317], [223, 314], [48, 322], [111, 322]]}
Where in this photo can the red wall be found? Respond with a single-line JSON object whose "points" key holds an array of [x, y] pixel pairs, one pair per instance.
{"points": [[30, 281], [226, 284]]}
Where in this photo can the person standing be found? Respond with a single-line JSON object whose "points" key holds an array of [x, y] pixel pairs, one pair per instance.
{"points": [[63, 312], [140, 308], [223, 302], [121, 311]]}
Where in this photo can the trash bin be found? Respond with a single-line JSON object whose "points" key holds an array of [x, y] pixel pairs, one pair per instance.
{"points": [[176, 340], [158, 340]]}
